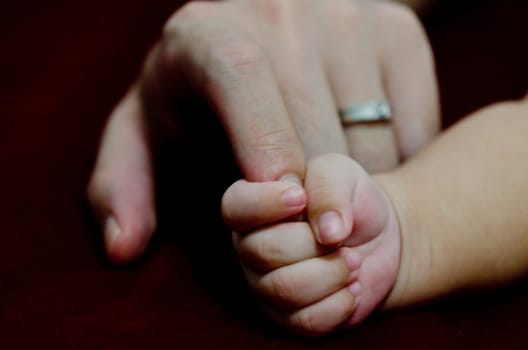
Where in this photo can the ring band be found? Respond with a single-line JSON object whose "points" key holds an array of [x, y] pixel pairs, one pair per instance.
{"points": [[369, 112]]}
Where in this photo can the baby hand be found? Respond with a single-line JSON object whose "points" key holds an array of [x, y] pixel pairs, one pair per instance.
{"points": [[333, 270]]}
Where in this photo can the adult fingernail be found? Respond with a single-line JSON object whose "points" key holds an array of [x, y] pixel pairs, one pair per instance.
{"points": [[294, 197], [291, 178], [330, 227], [112, 230]]}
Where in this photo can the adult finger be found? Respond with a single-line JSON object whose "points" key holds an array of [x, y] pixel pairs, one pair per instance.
{"points": [[121, 187], [355, 76], [411, 84], [343, 201], [293, 47], [229, 67]]}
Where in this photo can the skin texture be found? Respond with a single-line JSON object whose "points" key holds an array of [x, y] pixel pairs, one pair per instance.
{"points": [[402, 241], [282, 259], [480, 203], [275, 73]]}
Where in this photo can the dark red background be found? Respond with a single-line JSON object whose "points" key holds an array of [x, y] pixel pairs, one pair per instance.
{"points": [[63, 66]]}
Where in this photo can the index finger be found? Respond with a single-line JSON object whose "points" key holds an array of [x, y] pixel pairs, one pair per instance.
{"points": [[233, 73]]}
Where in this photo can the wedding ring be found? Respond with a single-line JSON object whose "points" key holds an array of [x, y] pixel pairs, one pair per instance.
{"points": [[369, 112]]}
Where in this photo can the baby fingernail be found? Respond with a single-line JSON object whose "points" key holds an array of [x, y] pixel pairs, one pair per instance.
{"points": [[355, 289], [330, 227], [294, 197], [112, 230]]}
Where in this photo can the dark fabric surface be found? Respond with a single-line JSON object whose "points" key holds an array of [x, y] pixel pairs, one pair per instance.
{"points": [[64, 65]]}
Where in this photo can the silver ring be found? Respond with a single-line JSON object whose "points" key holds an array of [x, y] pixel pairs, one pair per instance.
{"points": [[369, 112]]}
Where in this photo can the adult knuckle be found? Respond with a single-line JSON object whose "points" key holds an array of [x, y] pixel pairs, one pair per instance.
{"points": [[188, 27], [345, 13], [403, 20], [191, 11], [347, 10], [178, 31], [234, 58], [280, 151], [273, 141], [280, 10], [403, 15], [195, 9]]}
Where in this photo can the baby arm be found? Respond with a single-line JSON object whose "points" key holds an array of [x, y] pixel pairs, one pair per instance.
{"points": [[462, 205]]}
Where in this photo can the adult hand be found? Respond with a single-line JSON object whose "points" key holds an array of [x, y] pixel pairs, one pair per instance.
{"points": [[275, 72]]}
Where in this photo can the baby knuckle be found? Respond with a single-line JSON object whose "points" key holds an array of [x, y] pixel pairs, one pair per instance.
{"points": [[309, 322], [281, 288], [266, 253]]}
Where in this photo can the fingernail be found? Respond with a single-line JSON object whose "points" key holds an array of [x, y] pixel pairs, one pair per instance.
{"points": [[291, 178], [112, 230], [294, 197], [330, 227], [355, 289]]}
